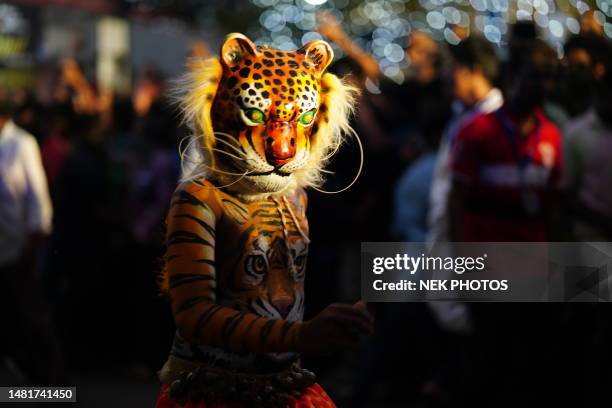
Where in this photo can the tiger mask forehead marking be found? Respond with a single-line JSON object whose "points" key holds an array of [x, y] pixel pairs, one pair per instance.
{"points": [[269, 118]]}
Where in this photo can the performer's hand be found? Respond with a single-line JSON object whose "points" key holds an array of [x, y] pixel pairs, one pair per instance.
{"points": [[337, 327]]}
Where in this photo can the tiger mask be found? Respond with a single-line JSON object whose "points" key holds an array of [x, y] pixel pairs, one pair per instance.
{"points": [[267, 120]]}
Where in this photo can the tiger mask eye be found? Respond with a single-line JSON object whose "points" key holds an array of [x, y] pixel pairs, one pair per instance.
{"points": [[252, 117], [306, 118]]}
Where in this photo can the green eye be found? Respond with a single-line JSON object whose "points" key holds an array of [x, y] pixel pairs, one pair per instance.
{"points": [[307, 117], [253, 116]]}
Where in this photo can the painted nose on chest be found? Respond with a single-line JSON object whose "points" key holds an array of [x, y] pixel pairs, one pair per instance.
{"points": [[283, 305], [280, 143]]}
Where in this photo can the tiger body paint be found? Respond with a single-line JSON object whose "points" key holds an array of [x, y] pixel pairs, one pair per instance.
{"points": [[249, 257], [265, 122]]}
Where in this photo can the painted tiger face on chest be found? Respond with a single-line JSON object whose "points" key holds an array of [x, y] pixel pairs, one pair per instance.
{"points": [[266, 110], [275, 272], [268, 278]]}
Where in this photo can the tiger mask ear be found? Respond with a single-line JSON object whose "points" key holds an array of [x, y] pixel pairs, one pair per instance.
{"points": [[320, 54], [235, 48]]}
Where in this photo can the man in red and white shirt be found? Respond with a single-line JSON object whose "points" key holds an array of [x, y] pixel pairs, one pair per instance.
{"points": [[505, 164]]}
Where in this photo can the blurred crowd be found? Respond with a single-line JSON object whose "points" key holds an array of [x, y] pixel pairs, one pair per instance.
{"points": [[85, 181], [470, 147], [478, 144]]}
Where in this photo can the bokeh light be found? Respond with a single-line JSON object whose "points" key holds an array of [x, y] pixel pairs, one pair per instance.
{"points": [[381, 26]]}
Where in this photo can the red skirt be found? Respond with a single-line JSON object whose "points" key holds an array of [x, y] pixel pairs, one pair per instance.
{"points": [[314, 397]]}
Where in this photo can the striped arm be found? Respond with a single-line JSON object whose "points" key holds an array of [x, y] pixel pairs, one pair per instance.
{"points": [[190, 263]]}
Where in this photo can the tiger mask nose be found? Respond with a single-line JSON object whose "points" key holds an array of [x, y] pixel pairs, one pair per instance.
{"points": [[280, 143]]}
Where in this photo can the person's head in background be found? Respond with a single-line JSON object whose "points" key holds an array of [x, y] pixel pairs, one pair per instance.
{"points": [[603, 90], [531, 78], [583, 61], [424, 57], [522, 34], [160, 126], [28, 116], [349, 70], [475, 66], [122, 115], [7, 107]]}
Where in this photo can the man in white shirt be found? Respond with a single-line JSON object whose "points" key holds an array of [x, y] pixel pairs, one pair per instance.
{"points": [[587, 174], [475, 68], [28, 337], [25, 205]]}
